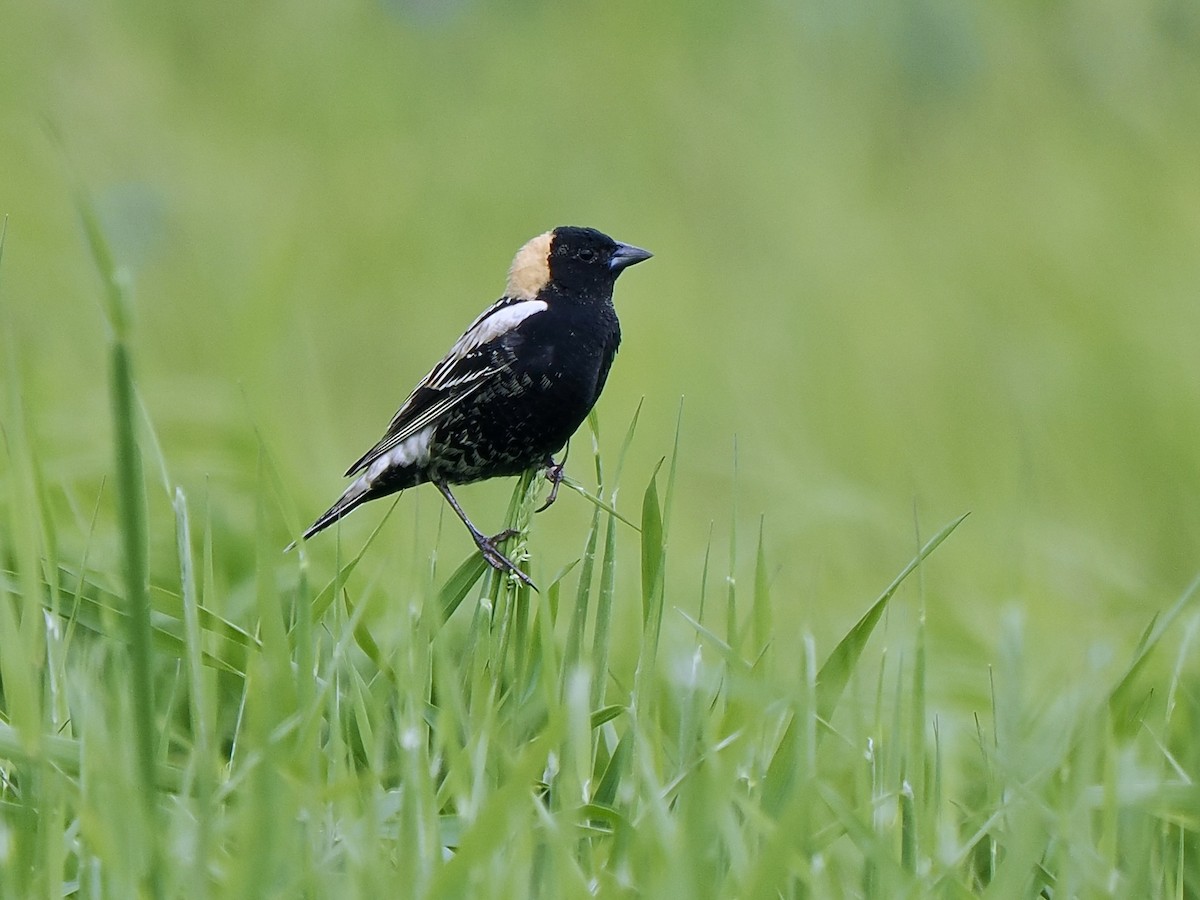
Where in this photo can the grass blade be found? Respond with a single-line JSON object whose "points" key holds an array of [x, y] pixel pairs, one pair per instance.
{"points": [[458, 585], [832, 678], [1119, 699], [131, 496], [761, 609]]}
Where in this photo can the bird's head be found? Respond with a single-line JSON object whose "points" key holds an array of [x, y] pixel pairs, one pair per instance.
{"points": [[570, 258]]}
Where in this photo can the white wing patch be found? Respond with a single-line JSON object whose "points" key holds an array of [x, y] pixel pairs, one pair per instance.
{"points": [[414, 449], [489, 327], [407, 444], [497, 320]]}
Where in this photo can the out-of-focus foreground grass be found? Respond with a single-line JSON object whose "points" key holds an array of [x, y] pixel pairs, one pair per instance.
{"points": [[917, 259]]}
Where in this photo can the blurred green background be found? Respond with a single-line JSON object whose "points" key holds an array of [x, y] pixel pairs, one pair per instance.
{"points": [[913, 258]]}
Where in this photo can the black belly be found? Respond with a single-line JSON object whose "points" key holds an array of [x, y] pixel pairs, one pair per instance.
{"points": [[510, 426]]}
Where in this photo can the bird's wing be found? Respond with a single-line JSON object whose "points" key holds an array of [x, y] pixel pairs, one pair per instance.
{"points": [[466, 368]]}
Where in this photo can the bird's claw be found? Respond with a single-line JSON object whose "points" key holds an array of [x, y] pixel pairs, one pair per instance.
{"points": [[497, 560], [554, 475]]}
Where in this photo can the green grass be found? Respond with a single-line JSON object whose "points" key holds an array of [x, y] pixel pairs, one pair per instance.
{"points": [[913, 260], [460, 735]]}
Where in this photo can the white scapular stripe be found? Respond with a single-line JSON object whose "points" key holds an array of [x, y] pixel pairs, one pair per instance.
{"points": [[491, 325], [409, 443], [414, 449]]}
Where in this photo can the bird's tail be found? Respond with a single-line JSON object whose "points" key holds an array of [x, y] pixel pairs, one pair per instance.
{"points": [[356, 494]]}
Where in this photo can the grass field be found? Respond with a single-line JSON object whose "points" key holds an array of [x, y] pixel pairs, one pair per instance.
{"points": [[912, 263]]}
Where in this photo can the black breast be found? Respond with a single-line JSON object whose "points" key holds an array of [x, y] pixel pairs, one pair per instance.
{"points": [[555, 365]]}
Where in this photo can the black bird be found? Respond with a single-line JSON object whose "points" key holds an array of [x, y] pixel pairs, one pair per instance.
{"points": [[513, 388]]}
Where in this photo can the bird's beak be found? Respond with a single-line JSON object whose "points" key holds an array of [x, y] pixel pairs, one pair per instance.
{"points": [[627, 255]]}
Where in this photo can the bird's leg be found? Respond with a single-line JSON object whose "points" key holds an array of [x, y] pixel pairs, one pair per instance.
{"points": [[486, 545], [554, 475]]}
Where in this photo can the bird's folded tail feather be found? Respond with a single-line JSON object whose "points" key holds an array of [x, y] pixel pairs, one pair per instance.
{"points": [[356, 494]]}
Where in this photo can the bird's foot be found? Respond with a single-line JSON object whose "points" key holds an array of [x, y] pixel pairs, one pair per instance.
{"points": [[497, 560], [554, 475]]}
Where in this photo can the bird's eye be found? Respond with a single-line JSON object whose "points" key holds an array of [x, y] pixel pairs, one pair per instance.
{"points": [[587, 255]]}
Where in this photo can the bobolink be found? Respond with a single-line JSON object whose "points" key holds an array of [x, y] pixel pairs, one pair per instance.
{"points": [[513, 388]]}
